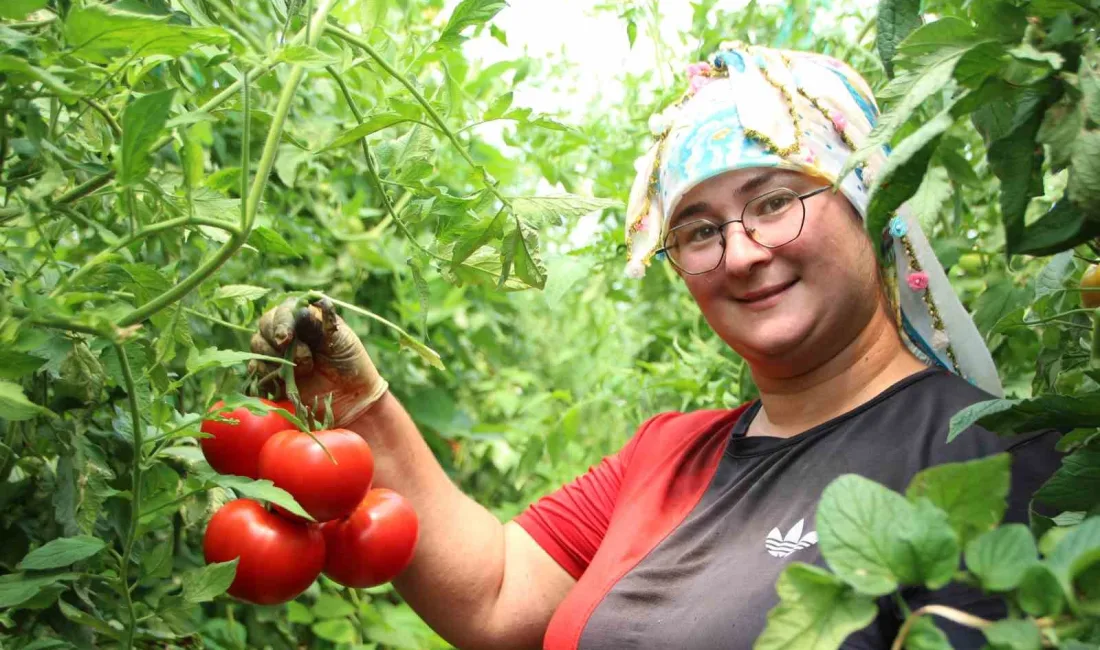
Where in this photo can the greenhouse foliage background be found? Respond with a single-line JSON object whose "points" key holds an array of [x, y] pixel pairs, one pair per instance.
{"points": [[404, 175]]}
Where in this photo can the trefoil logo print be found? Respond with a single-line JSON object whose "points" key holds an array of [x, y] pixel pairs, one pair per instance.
{"points": [[780, 545]]}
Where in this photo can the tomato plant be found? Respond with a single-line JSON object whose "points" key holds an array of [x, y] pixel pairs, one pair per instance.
{"points": [[234, 447], [373, 544], [277, 559], [328, 472]]}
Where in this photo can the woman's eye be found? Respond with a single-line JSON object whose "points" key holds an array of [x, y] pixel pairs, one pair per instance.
{"points": [[703, 233], [776, 204]]}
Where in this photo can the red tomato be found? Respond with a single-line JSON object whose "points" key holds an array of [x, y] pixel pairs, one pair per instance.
{"points": [[374, 544], [235, 448], [326, 490], [279, 558]]}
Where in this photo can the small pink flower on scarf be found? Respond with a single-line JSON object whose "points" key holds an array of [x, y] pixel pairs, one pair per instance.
{"points": [[840, 122], [918, 280], [699, 69]]}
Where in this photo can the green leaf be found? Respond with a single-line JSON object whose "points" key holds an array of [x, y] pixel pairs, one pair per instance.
{"points": [[1039, 592], [298, 613], [423, 294], [557, 209], [373, 123], [18, 69], [262, 490], [14, 364], [208, 582], [478, 235], [1061, 228], [157, 562], [875, 540], [498, 107], [1017, 162], [924, 635], [1053, 277], [18, 588], [1076, 484], [332, 606], [82, 372], [102, 33], [1077, 552], [1001, 557], [896, 18], [61, 552], [1061, 125], [1084, 175], [1009, 417], [997, 302], [307, 56], [15, 406], [240, 293], [142, 123], [972, 493], [337, 631], [816, 611], [1010, 634], [215, 358], [269, 241], [20, 9], [903, 171], [468, 13], [1088, 80], [521, 251]]}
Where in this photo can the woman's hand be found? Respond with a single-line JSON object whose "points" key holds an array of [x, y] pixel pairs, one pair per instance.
{"points": [[329, 359]]}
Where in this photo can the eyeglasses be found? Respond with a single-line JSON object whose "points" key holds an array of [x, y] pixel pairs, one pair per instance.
{"points": [[771, 220]]}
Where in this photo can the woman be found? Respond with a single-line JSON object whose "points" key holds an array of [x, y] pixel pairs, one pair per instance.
{"points": [[677, 540]]}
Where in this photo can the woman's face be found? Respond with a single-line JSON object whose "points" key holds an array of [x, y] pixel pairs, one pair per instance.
{"points": [[785, 310]]}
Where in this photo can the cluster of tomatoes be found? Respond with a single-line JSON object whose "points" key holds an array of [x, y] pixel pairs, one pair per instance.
{"points": [[361, 537]]}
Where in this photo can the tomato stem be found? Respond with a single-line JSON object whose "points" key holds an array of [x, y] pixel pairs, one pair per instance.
{"points": [[950, 613], [135, 492]]}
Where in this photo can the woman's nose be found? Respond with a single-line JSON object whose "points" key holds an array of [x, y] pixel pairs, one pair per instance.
{"points": [[742, 253]]}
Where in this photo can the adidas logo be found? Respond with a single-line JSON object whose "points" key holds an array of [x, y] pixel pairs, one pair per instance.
{"points": [[782, 546]]}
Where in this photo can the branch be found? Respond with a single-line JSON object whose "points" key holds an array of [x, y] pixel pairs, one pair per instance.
{"points": [[950, 613]]}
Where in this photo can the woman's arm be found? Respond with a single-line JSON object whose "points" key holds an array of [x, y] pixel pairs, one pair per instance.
{"points": [[477, 582]]}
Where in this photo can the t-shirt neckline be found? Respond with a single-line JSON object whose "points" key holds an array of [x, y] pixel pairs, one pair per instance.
{"points": [[743, 446]]}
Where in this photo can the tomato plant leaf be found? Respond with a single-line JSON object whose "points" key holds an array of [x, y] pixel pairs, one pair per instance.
{"points": [[15, 406], [240, 293], [20, 9], [468, 13], [1061, 228], [15, 364], [298, 613], [328, 606], [208, 582], [498, 107], [261, 490], [17, 588], [875, 540], [100, 33], [215, 358], [307, 56], [17, 68], [270, 241], [1084, 176], [1002, 556], [372, 124], [924, 635], [1014, 634], [142, 122], [337, 631], [555, 210], [61, 552], [1039, 592], [972, 493], [1076, 484], [1076, 552], [816, 611], [896, 19]]}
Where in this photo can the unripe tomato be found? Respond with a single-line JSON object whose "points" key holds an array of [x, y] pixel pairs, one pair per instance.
{"points": [[326, 490], [970, 262], [279, 558], [374, 544], [1091, 280], [235, 448]]}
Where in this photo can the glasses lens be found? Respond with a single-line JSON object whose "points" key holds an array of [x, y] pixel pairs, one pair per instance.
{"points": [[775, 218], [696, 246]]}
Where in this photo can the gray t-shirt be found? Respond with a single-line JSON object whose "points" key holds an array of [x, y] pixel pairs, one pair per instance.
{"points": [[711, 582]]}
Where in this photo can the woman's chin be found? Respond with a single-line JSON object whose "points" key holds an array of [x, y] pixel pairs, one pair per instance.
{"points": [[778, 344]]}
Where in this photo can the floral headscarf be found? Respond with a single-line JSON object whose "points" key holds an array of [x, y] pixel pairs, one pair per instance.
{"points": [[760, 107]]}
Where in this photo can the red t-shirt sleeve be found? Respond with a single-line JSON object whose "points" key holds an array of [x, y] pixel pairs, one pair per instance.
{"points": [[570, 523]]}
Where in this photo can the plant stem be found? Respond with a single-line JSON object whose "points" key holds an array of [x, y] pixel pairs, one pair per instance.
{"points": [[106, 115], [230, 17], [218, 321], [950, 613], [135, 495], [252, 201]]}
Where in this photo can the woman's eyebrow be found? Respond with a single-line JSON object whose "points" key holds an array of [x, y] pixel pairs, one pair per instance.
{"points": [[749, 189]]}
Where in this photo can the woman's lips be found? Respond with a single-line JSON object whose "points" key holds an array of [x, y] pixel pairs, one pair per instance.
{"points": [[766, 296]]}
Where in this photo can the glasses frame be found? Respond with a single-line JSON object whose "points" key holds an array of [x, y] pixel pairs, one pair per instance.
{"points": [[664, 250]]}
